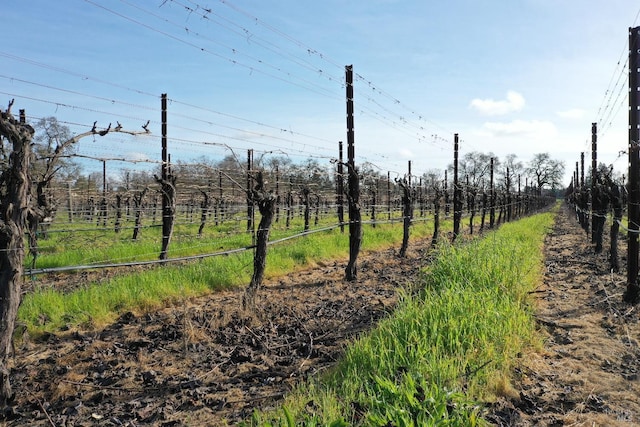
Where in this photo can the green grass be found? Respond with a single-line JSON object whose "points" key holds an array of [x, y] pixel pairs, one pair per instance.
{"points": [[47, 310], [105, 246], [451, 342], [447, 346], [83, 243], [95, 304]]}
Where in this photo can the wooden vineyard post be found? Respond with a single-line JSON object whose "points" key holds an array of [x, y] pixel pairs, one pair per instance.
{"points": [[103, 201], [353, 183], [519, 210], [412, 188], [277, 194], [594, 168], [220, 203], [584, 197], [417, 194], [456, 219], [374, 195], [118, 223], [600, 197], [492, 196], [437, 196], [388, 196], [165, 153], [457, 191], [632, 293], [526, 195], [69, 202], [509, 200], [501, 202], [484, 207], [577, 191], [306, 192], [446, 195], [250, 202], [316, 218], [340, 187], [471, 203], [420, 198], [289, 204]]}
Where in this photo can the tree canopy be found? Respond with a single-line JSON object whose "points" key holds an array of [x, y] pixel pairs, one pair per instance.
{"points": [[546, 172]]}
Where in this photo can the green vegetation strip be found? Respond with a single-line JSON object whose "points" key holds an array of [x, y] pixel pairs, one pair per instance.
{"points": [[139, 290], [451, 343]]}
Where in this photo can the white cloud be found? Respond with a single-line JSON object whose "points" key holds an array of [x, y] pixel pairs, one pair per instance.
{"points": [[137, 157], [520, 127], [406, 153], [575, 113], [491, 107]]}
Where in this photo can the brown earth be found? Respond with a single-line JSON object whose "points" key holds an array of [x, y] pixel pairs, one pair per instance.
{"points": [[587, 374], [205, 362]]}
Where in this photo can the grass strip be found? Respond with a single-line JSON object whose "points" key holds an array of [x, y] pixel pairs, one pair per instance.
{"points": [[140, 290], [447, 347]]}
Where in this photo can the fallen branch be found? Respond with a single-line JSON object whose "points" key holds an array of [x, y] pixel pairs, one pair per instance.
{"points": [[105, 387], [42, 407], [553, 324]]}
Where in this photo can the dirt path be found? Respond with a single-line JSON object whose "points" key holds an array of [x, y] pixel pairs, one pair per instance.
{"points": [[588, 372], [205, 362]]}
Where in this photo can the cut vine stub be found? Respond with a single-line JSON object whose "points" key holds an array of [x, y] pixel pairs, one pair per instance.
{"points": [[632, 295]]}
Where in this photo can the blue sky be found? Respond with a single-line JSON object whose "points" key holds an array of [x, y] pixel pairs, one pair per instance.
{"points": [[510, 77]]}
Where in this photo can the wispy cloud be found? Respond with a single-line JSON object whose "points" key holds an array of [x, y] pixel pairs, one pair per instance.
{"points": [[520, 127], [137, 157], [575, 113], [406, 153], [491, 107]]}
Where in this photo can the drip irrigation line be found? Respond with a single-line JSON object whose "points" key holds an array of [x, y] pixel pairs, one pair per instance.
{"points": [[32, 272]]}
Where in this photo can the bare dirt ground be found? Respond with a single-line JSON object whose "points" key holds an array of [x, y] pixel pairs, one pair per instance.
{"points": [[205, 362], [587, 374]]}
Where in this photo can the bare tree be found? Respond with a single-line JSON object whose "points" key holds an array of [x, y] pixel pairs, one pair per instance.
{"points": [[53, 145], [52, 141], [545, 171], [474, 165]]}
